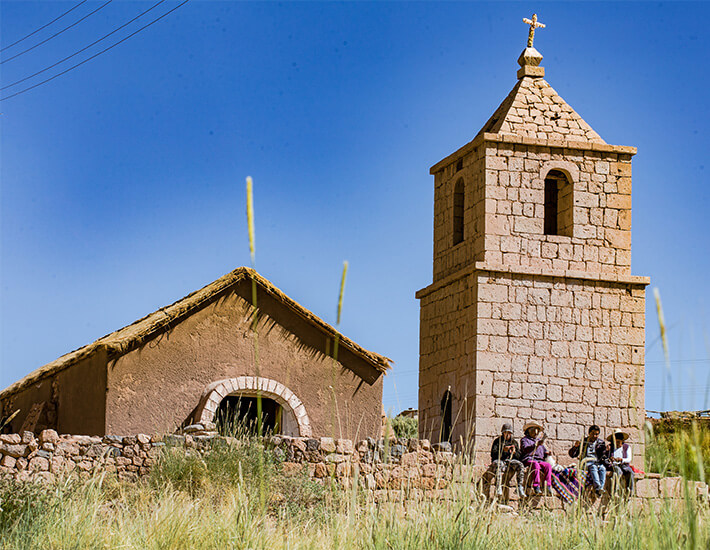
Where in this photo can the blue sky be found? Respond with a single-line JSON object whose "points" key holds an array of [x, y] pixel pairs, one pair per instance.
{"points": [[122, 182]]}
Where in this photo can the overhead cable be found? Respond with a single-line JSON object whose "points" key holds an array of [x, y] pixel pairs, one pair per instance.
{"points": [[96, 54], [102, 6], [85, 48], [43, 26]]}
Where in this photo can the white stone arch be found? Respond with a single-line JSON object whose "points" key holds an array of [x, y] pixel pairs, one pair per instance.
{"points": [[568, 168], [295, 421]]}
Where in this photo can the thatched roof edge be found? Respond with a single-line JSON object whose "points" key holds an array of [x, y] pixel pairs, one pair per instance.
{"points": [[131, 336]]}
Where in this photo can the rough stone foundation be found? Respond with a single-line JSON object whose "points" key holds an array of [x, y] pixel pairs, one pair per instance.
{"points": [[413, 465]]}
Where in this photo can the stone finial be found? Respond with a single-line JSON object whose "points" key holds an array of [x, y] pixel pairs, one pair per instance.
{"points": [[533, 24], [529, 62]]}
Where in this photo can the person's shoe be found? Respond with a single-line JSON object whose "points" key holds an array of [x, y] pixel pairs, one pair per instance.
{"points": [[499, 491], [598, 492], [521, 491], [538, 491]]}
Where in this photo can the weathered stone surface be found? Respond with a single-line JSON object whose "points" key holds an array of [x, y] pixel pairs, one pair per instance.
{"points": [[39, 463], [16, 451], [8, 461], [48, 436], [344, 446], [192, 428], [11, 439], [647, 488], [671, 487]]}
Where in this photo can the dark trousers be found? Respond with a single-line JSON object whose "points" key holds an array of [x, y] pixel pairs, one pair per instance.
{"points": [[625, 475], [502, 466]]}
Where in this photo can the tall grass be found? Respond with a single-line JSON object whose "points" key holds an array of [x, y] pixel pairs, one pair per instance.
{"points": [[216, 505], [669, 440]]}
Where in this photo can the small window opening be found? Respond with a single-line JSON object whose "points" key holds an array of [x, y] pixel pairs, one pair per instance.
{"points": [[459, 165], [237, 415], [551, 194], [559, 205], [446, 420], [458, 211]]}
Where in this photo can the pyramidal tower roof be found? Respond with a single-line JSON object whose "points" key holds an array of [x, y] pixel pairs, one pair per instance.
{"points": [[535, 114], [533, 109]]}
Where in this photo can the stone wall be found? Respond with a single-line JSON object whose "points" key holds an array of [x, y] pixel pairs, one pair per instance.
{"points": [[413, 465], [520, 344], [504, 186], [567, 353], [600, 183]]}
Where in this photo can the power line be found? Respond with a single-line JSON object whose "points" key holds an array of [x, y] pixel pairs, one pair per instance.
{"points": [[96, 54], [56, 33], [83, 49], [43, 26]]}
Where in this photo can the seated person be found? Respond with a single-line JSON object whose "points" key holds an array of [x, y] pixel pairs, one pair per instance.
{"points": [[593, 457], [621, 455], [533, 454], [504, 454]]}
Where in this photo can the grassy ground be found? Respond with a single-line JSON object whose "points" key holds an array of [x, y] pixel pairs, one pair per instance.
{"points": [[675, 447], [234, 497]]}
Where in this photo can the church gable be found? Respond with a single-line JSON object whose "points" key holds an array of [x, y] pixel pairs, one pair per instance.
{"points": [[156, 371]]}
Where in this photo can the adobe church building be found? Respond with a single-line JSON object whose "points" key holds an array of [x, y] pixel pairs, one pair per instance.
{"points": [[191, 360], [533, 313]]}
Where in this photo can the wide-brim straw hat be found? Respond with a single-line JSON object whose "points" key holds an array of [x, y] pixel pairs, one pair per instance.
{"points": [[624, 435], [532, 424]]}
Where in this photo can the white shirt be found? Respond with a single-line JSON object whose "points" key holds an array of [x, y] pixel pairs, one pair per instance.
{"points": [[619, 453]]}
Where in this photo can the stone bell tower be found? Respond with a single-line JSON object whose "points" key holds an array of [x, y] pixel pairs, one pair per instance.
{"points": [[533, 312]]}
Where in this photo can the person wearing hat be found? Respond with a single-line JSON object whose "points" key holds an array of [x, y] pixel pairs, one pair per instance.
{"points": [[533, 454], [594, 456], [504, 454], [621, 456]]}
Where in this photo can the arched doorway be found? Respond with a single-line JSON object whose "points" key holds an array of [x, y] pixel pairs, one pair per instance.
{"points": [[287, 413], [240, 413]]}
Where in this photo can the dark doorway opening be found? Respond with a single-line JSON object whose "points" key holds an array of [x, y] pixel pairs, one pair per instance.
{"points": [[446, 413], [237, 414]]}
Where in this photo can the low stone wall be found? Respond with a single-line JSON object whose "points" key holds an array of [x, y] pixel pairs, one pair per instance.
{"points": [[49, 456], [413, 465]]}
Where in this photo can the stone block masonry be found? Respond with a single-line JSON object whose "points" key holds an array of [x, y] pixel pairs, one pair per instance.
{"points": [[519, 344], [401, 468]]}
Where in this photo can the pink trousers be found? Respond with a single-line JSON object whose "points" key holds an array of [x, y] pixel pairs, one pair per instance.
{"points": [[535, 467]]}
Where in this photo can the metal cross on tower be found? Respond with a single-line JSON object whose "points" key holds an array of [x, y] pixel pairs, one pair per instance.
{"points": [[533, 23]]}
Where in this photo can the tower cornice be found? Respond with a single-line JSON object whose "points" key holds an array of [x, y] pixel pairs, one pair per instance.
{"points": [[569, 145]]}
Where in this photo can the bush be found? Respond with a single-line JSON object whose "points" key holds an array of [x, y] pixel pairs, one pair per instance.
{"points": [[297, 497], [677, 447], [181, 469], [245, 463], [23, 502], [405, 427]]}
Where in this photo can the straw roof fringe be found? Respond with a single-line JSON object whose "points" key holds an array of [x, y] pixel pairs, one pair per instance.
{"points": [[141, 331]]}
